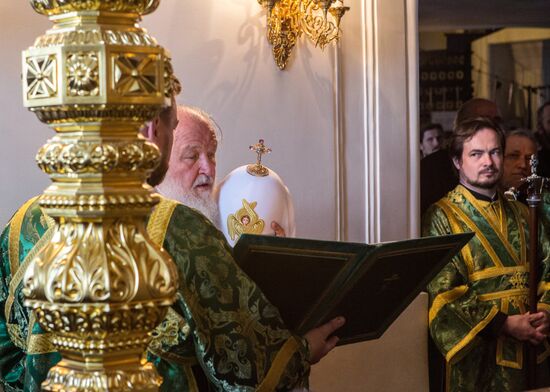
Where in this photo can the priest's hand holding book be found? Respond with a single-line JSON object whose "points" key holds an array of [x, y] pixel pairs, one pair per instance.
{"points": [[321, 340]]}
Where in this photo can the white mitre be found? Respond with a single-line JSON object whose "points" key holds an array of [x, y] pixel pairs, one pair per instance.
{"points": [[253, 196]]}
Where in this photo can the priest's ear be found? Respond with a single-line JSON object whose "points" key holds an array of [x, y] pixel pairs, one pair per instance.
{"points": [[457, 163], [150, 129]]}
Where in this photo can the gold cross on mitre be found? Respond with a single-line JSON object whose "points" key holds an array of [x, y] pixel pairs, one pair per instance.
{"points": [[257, 169]]}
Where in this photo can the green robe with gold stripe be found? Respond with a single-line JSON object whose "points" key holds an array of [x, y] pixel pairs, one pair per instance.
{"points": [[488, 276], [221, 325]]}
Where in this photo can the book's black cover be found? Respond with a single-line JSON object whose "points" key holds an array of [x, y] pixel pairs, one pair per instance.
{"points": [[311, 281]]}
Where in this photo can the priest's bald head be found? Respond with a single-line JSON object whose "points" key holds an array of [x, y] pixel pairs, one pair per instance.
{"points": [[192, 166]]}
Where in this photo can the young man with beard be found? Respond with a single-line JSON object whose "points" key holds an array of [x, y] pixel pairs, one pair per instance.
{"points": [[478, 303], [225, 337]]}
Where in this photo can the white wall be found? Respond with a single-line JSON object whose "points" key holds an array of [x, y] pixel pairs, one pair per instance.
{"points": [[219, 50], [20, 132]]}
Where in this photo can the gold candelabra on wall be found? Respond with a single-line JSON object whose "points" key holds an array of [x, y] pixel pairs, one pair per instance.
{"points": [[100, 285], [288, 19]]}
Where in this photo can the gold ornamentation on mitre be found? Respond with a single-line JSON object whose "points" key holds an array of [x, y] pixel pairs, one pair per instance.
{"points": [[245, 220]]}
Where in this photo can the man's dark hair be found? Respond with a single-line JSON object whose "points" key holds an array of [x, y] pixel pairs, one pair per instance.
{"points": [[429, 127], [467, 129], [165, 113], [540, 110], [474, 108]]}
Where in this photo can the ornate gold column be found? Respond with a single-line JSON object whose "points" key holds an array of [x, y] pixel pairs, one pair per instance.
{"points": [[100, 285]]}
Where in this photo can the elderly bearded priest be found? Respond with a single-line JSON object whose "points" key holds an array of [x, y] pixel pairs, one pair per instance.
{"points": [[192, 170], [226, 337], [478, 312]]}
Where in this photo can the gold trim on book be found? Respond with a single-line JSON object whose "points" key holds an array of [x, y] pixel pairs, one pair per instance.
{"points": [[159, 220], [278, 366], [471, 335], [294, 251], [443, 299], [497, 271]]}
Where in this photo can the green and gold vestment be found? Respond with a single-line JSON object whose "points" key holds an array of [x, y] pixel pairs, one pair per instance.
{"points": [[489, 277], [221, 324]]}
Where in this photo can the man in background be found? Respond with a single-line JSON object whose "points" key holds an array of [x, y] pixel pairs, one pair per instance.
{"points": [[543, 137], [520, 146], [430, 139]]}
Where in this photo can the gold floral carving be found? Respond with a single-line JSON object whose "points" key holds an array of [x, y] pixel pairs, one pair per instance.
{"points": [[99, 286], [135, 74], [172, 86], [144, 380], [66, 113], [287, 19], [83, 74], [95, 37], [317, 27], [245, 220], [103, 203], [97, 157], [56, 7], [41, 76], [283, 30], [81, 268]]}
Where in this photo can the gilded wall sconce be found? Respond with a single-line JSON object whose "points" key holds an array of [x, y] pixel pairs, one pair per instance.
{"points": [[288, 19]]}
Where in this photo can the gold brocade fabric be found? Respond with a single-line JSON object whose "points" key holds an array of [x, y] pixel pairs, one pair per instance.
{"points": [[489, 276], [221, 327]]}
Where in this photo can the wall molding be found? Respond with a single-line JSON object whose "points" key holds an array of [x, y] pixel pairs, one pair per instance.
{"points": [[390, 119]]}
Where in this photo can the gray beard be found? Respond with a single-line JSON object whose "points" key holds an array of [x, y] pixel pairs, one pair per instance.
{"points": [[205, 205]]}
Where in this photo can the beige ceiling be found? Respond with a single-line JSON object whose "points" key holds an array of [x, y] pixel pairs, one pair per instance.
{"points": [[445, 15]]}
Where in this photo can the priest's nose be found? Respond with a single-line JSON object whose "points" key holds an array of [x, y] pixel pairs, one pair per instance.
{"points": [[207, 166]]}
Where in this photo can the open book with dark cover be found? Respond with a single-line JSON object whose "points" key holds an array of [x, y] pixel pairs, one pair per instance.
{"points": [[312, 281]]}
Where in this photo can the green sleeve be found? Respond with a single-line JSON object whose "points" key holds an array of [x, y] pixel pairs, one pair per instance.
{"points": [[239, 336], [456, 316], [12, 358], [18, 370]]}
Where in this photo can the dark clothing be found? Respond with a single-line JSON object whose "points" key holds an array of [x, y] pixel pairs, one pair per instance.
{"points": [[437, 178]]}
